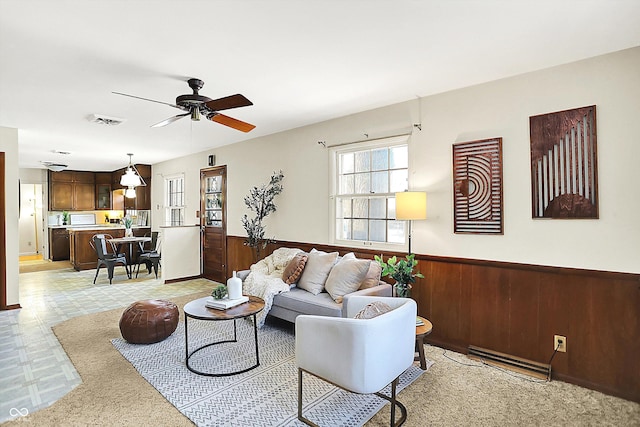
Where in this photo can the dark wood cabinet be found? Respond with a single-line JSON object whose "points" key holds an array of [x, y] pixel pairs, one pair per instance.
{"points": [[87, 191], [58, 244], [83, 256], [84, 197], [71, 191], [60, 196], [103, 191]]}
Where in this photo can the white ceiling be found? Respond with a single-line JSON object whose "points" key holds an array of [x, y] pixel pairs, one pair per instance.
{"points": [[300, 62]]}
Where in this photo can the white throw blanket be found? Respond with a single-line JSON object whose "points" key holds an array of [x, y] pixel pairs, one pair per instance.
{"points": [[265, 279]]}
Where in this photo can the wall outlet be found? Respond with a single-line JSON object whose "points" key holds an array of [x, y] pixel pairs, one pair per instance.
{"points": [[560, 342]]}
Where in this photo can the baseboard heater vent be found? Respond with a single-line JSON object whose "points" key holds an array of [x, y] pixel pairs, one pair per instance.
{"points": [[513, 363]]}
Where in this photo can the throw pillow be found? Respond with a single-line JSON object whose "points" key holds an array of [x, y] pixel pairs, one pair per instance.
{"points": [[372, 278], [293, 270], [373, 309], [316, 271], [346, 277]]}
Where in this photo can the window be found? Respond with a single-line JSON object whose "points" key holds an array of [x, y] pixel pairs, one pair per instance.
{"points": [[365, 182], [174, 199]]}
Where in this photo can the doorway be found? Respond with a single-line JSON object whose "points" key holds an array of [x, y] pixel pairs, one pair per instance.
{"points": [[31, 225], [213, 222]]}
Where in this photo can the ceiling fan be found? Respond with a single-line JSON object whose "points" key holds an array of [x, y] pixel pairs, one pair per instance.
{"points": [[197, 105]]}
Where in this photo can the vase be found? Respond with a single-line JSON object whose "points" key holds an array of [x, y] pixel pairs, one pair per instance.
{"points": [[402, 290], [234, 287], [128, 232]]}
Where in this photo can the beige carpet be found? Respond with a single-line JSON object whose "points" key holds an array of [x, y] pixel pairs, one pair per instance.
{"points": [[449, 394]]}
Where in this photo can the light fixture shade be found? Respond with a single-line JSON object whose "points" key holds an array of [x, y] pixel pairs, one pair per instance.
{"points": [[411, 205], [130, 179], [130, 193]]}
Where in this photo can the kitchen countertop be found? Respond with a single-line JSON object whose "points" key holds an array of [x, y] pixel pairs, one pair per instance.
{"points": [[97, 227]]}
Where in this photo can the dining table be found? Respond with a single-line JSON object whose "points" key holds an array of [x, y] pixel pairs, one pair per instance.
{"points": [[118, 242]]}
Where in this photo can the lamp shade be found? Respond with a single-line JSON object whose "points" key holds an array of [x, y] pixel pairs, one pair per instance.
{"points": [[411, 205], [130, 178], [130, 193]]}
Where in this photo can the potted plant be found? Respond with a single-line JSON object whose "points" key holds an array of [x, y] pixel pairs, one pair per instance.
{"points": [[128, 222], [65, 217], [260, 201], [401, 271]]}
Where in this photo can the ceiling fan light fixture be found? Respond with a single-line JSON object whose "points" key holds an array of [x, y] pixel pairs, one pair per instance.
{"points": [[195, 114]]}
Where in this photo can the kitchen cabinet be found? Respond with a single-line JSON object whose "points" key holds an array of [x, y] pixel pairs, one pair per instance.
{"points": [[58, 244], [71, 191], [103, 191], [83, 256]]}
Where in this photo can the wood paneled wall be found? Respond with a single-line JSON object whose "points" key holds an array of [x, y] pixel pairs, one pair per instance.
{"points": [[517, 309]]}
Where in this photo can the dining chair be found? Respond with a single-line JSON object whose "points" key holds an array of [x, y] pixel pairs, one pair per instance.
{"points": [[105, 258], [151, 258]]}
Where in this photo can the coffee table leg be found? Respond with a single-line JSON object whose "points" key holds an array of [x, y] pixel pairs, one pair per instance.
{"points": [[255, 336], [186, 341]]}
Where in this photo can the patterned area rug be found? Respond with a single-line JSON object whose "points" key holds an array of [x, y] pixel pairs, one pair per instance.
{"points": [[265, 396]]}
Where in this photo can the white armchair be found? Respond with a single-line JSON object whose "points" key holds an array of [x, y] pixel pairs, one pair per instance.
{"points": [[358, 355]]}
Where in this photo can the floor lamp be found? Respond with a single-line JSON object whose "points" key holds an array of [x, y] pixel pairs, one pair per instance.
{"points": [[411, 205]]}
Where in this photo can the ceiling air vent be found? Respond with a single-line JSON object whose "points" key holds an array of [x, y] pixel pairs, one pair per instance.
{"points": [[105, 120]]}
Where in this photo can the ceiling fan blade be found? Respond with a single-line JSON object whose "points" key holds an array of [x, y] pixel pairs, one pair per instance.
{"points": [[231, 122], [233, 101], [147, 99], [170, 120]]}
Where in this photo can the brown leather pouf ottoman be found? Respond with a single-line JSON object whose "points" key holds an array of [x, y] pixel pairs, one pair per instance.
{"points": [[149, 321]]}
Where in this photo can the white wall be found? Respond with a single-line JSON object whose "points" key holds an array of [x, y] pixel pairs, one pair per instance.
{"points": [[9, 145], [497, 109]]}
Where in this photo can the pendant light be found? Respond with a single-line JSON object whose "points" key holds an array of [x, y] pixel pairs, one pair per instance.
{"points": [[131, 179]]}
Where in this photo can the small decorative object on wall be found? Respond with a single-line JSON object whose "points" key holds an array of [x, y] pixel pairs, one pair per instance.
{"points": [[477, 187], [260, 201], [564, 172]]}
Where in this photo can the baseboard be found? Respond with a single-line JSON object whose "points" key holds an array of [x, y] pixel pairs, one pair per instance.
{"points": [[182, 279], [10, 307]]}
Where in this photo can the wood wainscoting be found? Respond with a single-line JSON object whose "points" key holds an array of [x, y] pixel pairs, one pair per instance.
{"points": [[518, 308]]}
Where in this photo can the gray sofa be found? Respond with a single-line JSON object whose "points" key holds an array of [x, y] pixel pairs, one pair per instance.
{"points": [[289, 305]]}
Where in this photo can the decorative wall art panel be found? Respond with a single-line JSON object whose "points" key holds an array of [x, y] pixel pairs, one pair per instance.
{"points": [[564, 173], [477, 187]]}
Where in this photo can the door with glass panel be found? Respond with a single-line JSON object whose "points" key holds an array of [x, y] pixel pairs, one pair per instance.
{"points": [[213, 222]]}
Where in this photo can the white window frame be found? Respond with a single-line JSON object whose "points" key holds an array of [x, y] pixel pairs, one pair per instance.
{"points": [[174, 205], [334, 153]]}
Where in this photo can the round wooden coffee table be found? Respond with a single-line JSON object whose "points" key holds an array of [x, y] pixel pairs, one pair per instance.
{"points": [[421, 332], [198, 310]]}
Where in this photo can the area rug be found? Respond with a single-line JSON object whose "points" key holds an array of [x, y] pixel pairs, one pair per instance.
{"points": [[265, 396]]}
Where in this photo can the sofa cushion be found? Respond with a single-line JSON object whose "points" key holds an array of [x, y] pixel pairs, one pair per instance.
{"points": [[301, 301], [346, 277], [372, 277], [293, 270], [316, 271], [373, 309]]}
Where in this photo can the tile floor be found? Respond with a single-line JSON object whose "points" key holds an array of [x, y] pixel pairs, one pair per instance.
{"points": [[34, 369]]}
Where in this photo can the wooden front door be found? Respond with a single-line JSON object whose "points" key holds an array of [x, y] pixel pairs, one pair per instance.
{"points": [[213, 221]]}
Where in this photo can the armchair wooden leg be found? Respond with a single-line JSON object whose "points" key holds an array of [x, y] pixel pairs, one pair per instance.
{"points": [[300, 417], [394, 403], [392, 399]]}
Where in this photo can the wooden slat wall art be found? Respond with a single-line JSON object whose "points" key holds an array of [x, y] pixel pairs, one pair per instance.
{"points": [[564, 174], [477, 187]]}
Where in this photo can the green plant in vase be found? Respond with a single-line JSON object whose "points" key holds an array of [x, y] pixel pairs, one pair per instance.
{"points": [[65, 217], [401, 271], [219, 292]]}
